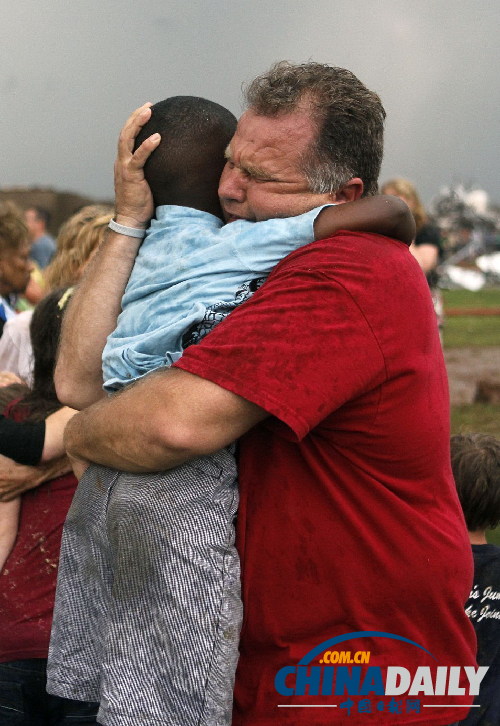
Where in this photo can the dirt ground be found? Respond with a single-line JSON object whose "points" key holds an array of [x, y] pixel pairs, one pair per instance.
{"points": [[467, 367]]}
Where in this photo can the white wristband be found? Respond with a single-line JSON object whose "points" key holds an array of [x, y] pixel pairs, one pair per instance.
{"points": [[128, 231]]}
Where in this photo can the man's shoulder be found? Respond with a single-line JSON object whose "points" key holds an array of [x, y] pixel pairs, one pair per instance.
{"points": [[346, 250]]}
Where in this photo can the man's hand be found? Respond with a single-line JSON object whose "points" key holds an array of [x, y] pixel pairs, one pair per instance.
{"points": [[15, 479], [134, 201], [94, 308]]}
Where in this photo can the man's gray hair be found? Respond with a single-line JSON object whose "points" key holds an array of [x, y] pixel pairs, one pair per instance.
{"points": [[349, 116]]}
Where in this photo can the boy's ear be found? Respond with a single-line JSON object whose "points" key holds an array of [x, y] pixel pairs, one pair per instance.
{"points": [[351, 191]]}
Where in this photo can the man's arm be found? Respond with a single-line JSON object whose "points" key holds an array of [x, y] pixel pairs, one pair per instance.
{"points": [[383, 214], [95, 306], [163, 420]]}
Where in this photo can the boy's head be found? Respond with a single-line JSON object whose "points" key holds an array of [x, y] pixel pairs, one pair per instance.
{"points": [[475, 459], [186, 166]]}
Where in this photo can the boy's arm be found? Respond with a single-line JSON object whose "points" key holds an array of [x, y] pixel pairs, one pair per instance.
{"points": [[383, 214]]}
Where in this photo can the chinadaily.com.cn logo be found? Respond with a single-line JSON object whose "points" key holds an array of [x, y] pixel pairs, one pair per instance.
{"points": [[354, 684]]}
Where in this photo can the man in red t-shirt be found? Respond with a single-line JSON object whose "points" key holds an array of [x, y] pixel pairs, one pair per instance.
{"points": [[355, 561]]}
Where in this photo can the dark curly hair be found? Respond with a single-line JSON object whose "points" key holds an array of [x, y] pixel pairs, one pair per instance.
{"points": [[475, 460]]}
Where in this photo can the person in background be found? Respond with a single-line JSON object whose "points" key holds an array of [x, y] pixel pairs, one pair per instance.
{"points": [[31, 553], [475, 460], [43, 245], [15, 266], [427, 247], [42, 250], [77, 241], [37, 447]]}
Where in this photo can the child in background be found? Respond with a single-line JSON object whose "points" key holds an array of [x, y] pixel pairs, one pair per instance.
{"points": [[475, 460]]}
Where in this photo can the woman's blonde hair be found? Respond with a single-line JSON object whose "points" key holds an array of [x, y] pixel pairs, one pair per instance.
{"points": [[78, 237], [405, 189]]}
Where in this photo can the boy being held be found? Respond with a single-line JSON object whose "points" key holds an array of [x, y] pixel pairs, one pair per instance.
{"points": [[475, 460], [169, 538]]}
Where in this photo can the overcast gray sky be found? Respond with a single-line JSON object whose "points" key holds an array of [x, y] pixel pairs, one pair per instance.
{"points": [[70, 73]]}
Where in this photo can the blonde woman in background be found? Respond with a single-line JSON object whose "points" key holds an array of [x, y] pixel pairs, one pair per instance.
{"points": [[427, 247], [77, 241]]}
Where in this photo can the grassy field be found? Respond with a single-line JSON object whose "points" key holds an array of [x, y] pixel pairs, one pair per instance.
{"points": [[486, 298], [471, 330], [466, 331], [483, 417]]}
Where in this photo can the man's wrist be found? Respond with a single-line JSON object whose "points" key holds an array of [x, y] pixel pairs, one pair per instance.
{"points": [[136, 232], [132, 222]]}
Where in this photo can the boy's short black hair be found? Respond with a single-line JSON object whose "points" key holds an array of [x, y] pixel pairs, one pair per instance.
{"points": [[186, 166], [475, 460]]}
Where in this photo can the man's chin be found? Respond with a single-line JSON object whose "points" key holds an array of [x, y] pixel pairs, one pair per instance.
{"points": [[231, 218]]}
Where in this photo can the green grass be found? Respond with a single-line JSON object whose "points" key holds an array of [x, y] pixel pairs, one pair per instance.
{"points": [[483, 417], [471, 331], [493, 536], [468, 330], [487, 298]]}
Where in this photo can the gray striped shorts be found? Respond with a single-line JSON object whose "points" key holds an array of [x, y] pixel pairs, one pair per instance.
{"points": [[148, 608]]}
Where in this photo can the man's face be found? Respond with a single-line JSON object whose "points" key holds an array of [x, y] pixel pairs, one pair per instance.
{"points": [[262, 177], [15, 269], [33, 223]]}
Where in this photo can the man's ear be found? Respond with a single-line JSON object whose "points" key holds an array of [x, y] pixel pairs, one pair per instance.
{"points": [[351, 191]]}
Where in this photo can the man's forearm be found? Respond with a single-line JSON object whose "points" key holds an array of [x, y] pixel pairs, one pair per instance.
{"points": [[90, 318], [162, 421]]}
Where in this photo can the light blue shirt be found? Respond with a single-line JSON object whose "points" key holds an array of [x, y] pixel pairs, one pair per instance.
{"points": [[189, 267]]}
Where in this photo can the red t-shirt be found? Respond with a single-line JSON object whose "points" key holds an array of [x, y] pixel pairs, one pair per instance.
{"points": [[349, 520], [28, 579]]}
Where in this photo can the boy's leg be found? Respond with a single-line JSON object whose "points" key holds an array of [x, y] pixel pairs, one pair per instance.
{"points": [[176, 611], [83, 591]]}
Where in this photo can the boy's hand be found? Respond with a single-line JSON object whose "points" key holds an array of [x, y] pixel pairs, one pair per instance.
{"points": [[134, 201]]}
